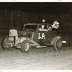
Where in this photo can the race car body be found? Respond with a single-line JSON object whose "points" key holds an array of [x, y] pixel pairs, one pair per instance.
{"points": [[33, 35]]}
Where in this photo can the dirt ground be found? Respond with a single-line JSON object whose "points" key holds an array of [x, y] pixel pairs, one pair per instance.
{"points": [[36, 59]]}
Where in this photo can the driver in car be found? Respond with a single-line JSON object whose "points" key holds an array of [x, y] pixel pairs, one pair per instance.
{"points": [[42, 28]]}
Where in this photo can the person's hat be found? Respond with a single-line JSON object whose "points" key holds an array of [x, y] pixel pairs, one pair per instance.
{"points": [[43, 20]]}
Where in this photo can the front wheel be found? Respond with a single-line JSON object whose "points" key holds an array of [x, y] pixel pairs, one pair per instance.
{"points": [[57, 44], [25, 46]]}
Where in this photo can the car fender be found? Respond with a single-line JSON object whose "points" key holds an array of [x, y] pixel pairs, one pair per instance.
{"points": [[52, 42], [21, 39]]}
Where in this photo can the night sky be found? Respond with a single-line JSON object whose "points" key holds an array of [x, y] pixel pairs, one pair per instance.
{"points": [[39, 7]]}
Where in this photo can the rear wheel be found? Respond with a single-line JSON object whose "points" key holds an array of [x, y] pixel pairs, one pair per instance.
{"points": [[4, 43], [25, 46], [57, 44]]}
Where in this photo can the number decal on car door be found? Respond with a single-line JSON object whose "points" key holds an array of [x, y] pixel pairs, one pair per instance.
{"points": [[41, 36]]}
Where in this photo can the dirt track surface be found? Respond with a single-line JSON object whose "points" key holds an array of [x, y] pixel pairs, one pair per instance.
{"points": [[36, 59]]}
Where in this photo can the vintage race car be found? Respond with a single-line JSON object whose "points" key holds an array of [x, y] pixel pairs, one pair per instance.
{"points": [[31, 36]]}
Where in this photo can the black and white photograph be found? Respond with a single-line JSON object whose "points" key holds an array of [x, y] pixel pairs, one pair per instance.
{"points": [[35, 35]]}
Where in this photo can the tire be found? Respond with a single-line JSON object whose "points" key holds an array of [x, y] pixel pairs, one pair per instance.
{"points": [[57, 44], [25, 46], [3, 43]]}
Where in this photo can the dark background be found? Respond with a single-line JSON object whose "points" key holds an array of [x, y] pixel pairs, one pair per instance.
{"points": [[15, 15]]}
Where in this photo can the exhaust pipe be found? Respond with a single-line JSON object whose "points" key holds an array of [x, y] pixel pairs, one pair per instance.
{"points": [[63, 41]]}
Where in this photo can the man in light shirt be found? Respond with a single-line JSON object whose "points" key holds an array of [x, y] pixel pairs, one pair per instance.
{"points": [[55, 24]]}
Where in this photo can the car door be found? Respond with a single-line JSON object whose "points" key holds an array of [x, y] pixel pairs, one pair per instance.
{"points": [[40, 37]]}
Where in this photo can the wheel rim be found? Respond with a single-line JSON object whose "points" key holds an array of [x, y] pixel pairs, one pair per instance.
{"points": [[26, 46], [5, 43], [59, 44]]}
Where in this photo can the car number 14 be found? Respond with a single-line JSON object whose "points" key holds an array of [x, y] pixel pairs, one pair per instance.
{"points": [[41, 36]]}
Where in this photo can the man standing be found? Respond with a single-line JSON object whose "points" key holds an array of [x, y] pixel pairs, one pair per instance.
{"points": [[55, 24]]}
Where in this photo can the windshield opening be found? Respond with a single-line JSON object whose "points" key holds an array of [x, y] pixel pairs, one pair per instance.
{"points": [[30, 27]]}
